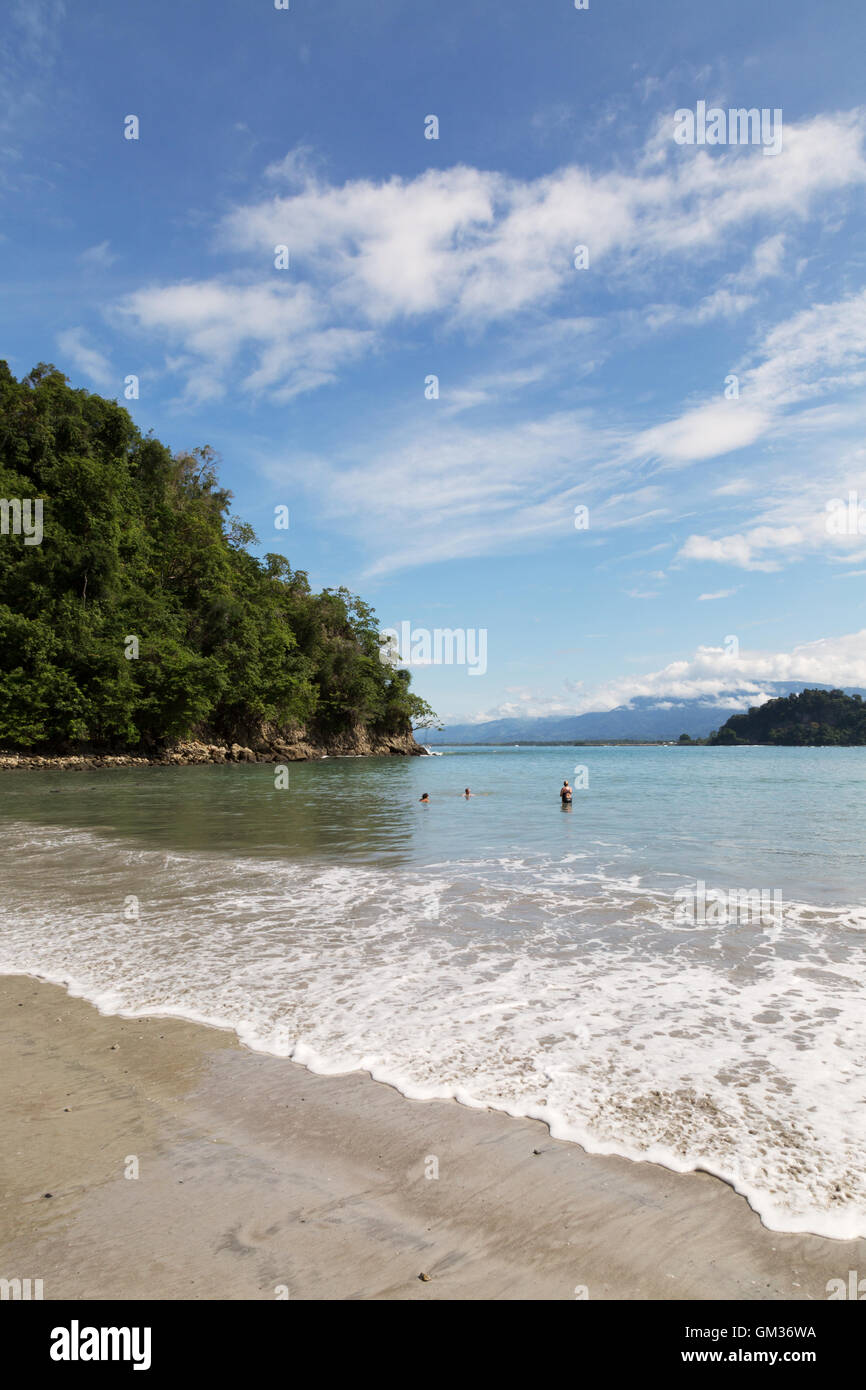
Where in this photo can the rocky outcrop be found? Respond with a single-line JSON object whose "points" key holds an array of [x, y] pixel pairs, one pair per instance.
{"points": [[293, 746]]}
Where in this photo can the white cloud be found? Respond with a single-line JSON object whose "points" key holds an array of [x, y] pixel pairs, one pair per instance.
{"points": [[767, 260], [710, 674], [712, 670], [30, 40], [807, 511], [98, 257], [749, 552], [481, 245], [295, 168], [84, 358], [293, 348], [735, 488], [448, 489], [38, 22], [819, 349], [474, 247], [722, 303], [707, 431], [471, 247]]}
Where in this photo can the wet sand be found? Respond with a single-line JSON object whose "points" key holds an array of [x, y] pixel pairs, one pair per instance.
{"points": [[257, 1180]]}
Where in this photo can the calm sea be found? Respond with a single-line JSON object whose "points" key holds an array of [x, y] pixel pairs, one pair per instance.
{"points": [[565, 965]]}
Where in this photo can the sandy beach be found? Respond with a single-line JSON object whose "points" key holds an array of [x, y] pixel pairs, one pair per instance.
{"points": [[257, 1179]]}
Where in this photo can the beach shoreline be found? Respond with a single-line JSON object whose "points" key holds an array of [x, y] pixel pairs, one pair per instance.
{"points": [[257, 1179], [357, 743]]}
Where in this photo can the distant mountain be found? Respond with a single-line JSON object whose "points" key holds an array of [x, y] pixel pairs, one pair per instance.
{"points": [[647, 718]]}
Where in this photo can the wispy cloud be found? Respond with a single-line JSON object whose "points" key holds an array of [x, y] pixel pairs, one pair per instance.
{"points": [[29, 43], [474, 247], [294, 348], [98, 257], [86, 359], [448, 488]]}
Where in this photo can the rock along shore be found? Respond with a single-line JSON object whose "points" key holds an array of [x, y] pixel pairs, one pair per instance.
{"points": [[354, 744]]}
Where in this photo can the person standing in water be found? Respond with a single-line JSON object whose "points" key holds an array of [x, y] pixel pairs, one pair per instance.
{"points": [[467, 793], [565, 793]]}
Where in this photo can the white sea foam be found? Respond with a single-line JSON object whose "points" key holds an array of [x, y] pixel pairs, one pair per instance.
{"points": [[538, 986]]}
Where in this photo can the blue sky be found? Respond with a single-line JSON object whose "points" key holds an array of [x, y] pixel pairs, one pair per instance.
{"points": [[559, 386]]}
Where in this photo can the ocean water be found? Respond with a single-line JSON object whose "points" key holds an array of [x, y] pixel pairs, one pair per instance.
{"points": [[499, 950]]}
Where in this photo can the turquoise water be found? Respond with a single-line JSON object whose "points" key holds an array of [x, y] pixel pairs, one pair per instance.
{"points": [[500, 950]]}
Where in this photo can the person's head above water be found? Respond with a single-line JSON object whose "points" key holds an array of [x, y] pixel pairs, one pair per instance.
{"points": [[466, 791], [425, 797]]}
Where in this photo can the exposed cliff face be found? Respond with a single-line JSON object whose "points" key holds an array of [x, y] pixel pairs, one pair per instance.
{"points": [[297, 745], [353, 743]]}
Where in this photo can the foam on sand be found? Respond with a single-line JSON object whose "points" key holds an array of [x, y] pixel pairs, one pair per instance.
{"points": [[541, 988]]}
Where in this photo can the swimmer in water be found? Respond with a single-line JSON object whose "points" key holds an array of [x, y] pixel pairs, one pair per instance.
{"points": [[425, 798], [467, 793]]}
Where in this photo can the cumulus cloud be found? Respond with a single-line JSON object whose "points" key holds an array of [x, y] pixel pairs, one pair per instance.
{"points": [[460, 249], [480, 244], [752, 551], [713, 675], [476, 247]]}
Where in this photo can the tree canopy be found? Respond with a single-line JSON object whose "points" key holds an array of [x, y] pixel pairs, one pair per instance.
{"points": [[811, 717], [139, 543]]}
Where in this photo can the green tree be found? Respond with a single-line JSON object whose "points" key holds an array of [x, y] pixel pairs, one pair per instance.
{"points": [[139, 543], [812, 717]]}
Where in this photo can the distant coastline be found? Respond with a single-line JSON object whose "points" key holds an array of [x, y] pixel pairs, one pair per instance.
{"points": [[810, 716], [563, 743]]}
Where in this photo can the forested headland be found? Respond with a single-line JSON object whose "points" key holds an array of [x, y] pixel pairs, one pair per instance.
{"points": [[814, 717], [138, 543]]}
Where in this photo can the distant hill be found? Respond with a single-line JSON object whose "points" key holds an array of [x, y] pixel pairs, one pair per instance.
{"points": [[645, 719], [814, 717]]}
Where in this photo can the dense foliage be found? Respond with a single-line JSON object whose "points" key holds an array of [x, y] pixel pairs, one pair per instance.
{"points": [[812, 717], [139, 543]]}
